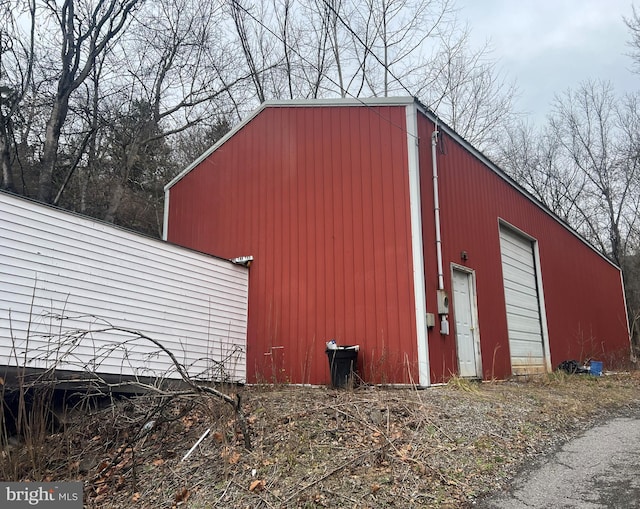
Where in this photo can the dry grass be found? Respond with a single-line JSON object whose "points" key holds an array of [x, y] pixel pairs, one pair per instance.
{"points": [[364, 448]]}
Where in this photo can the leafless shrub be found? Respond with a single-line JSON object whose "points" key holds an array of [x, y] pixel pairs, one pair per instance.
{"points": [[35, 392]]}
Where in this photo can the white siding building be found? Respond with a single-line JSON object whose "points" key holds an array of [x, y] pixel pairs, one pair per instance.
{"points": [[69, 285]]}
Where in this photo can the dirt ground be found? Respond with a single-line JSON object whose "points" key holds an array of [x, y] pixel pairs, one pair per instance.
{"points": [[368, 447]]}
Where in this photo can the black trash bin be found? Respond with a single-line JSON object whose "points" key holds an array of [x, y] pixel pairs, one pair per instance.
{"points": [[343, 363]]}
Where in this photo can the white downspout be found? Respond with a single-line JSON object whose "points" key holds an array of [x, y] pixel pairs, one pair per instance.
{"points": [[436, 207], [443, 299]]}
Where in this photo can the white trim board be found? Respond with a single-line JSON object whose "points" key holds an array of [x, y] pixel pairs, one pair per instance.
{"points": [[417, 247]]}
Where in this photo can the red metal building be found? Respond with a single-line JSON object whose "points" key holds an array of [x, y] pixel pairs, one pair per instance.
{"points": [[372, 223]]}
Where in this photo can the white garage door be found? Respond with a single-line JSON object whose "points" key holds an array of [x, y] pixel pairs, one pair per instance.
{"points": [[523, 303]]}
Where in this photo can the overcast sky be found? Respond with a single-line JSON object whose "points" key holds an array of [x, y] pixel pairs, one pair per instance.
{"points": [[548, 46]]}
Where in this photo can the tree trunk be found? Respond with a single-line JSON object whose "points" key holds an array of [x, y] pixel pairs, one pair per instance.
{"points": [[50, 153], [117, 193], [118, 190], [5, 160]]}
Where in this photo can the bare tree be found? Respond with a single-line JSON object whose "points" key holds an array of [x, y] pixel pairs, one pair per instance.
{"points": [[391, 42], [112, 82], [329, 34], [85, 34], [16, 70], [584, 165], [417, 47], [468, 91], [595, 135], [403, 28], [532, 157], [285, 47], [257, 47], [633, 24], [180, 75]]}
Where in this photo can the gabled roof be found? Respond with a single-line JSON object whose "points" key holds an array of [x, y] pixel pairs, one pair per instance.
{"points": [[315, 103], [384, 101]]}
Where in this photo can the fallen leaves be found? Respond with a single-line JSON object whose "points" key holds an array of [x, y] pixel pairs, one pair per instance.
{"points": [[321, 448], [188, 421], [232, 457], [182, 496], [257, 485], [101, 489]]}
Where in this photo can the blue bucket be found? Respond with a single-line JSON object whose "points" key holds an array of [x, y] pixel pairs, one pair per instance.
{"points": [[596, 368]]}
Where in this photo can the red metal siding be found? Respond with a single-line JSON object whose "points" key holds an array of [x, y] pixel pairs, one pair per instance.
{"points": [[320, 197], [583, 292]]}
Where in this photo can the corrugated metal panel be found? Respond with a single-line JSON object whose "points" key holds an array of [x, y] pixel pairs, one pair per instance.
{"points": [[583, 294], [319, 197], [522, 303], [94, 274]]}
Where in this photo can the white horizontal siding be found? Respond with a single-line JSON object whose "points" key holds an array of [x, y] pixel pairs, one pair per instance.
{"points": [[56, 264]]}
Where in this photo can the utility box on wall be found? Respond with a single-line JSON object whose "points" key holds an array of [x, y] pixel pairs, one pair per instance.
{"points": [[443, 302]]}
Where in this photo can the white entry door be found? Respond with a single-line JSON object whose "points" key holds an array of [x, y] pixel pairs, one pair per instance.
{"points": [[467, 337]]}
